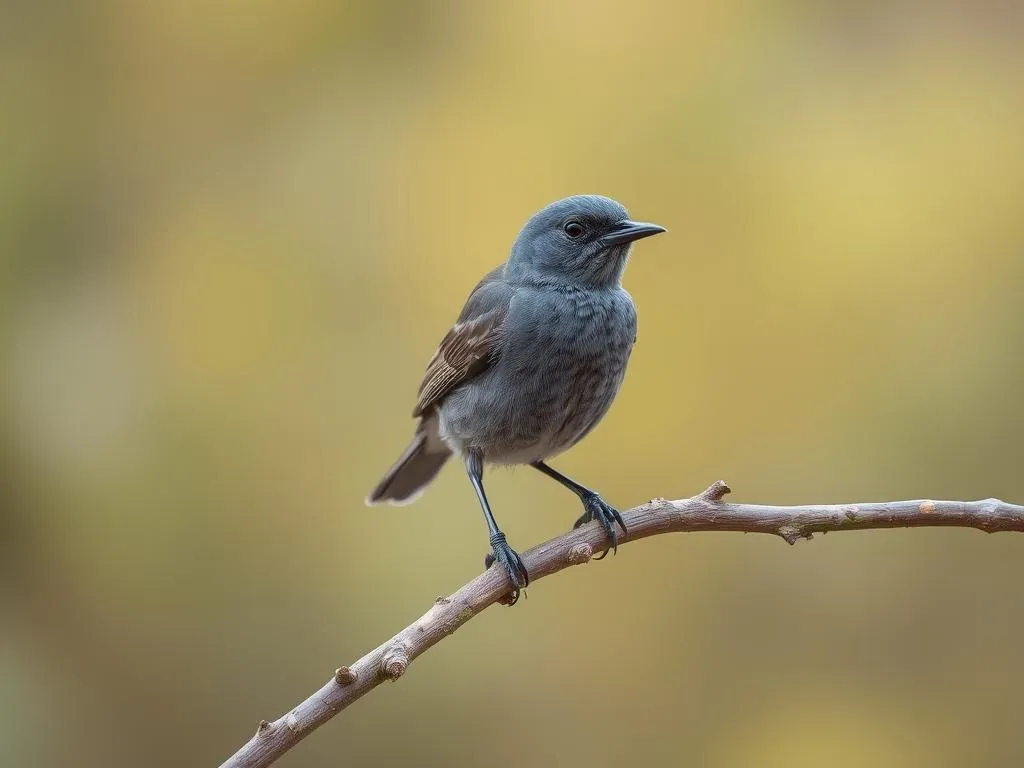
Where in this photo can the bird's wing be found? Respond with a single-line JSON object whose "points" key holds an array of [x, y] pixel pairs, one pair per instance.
{"points": [[471, 345]]}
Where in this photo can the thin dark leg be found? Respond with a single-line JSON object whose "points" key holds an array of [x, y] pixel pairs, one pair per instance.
{"points": [[596, 507], [502, 552], [475, 470]]}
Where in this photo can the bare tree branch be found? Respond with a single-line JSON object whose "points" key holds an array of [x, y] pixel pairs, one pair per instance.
{"points": [[704, 512]]}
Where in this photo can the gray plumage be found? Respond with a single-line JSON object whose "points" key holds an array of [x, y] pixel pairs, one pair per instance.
{"points": [[538, 353]]}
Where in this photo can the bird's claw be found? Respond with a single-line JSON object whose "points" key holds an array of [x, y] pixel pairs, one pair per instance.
{"points": [[600, 510], [513, 564]]}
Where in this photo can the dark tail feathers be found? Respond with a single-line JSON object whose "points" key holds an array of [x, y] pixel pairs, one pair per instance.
{"points": [[415, 468]]}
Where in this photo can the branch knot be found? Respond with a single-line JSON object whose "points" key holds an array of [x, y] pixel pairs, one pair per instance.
{"points": [[715, 492], [395, 662], [580, 553], [344, 676]]}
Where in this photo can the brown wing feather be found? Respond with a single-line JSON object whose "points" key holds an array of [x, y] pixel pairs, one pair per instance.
{"points": [[470, 346]]}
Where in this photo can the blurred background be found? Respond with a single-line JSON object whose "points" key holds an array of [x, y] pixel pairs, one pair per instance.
{"points": [[232, 235]]}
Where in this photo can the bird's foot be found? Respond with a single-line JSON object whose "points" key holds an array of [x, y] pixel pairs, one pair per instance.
{"points": [[600, 510], [512, 563]]}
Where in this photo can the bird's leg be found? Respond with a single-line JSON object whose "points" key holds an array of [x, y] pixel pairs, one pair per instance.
{"points": [[500, 549], [596, 507]]}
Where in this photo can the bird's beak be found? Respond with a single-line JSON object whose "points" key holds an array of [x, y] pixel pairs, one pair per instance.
{"points": [[627, 231]]}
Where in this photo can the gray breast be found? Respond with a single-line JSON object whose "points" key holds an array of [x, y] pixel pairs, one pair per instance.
{"points": [[595, 359], [562, 359]]}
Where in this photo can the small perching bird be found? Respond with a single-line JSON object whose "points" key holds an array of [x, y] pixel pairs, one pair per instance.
{"points": [[532, 364]]}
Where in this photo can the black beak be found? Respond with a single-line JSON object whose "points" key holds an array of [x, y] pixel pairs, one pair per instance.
{"points": [[627, 231]]}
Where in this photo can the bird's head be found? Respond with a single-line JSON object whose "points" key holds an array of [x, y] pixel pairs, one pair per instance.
{"points": [[583, 240]]}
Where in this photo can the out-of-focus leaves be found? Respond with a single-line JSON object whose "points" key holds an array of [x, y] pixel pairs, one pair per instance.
{"points": [[232, 235]]}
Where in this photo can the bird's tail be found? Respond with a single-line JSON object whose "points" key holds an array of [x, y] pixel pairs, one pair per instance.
{"points": [[415, 468]]}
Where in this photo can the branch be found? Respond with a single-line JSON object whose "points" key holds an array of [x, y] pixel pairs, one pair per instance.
{"points": [[704, 512]]}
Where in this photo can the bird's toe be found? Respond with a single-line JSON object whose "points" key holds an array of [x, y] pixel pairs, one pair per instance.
{"points": [[600, 510], [511, 562]]}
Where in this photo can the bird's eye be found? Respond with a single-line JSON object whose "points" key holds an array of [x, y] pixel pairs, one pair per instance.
{"points": [[574, 229]]}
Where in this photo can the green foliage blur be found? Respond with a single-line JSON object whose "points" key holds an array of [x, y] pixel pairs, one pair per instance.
{"points": [[231, 235]]}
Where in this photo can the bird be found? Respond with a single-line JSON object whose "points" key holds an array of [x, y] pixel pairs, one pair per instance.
{"points": [[531, 365]]}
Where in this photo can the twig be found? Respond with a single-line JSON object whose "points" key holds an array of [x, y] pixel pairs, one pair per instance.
{"points": [[704, 512]]}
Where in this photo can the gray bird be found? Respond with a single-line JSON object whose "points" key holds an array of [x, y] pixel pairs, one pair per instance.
{"points": [[532, 364]]}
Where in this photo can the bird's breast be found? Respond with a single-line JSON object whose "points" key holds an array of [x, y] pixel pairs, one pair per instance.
{"points": [[561, 360], [567, 361]]}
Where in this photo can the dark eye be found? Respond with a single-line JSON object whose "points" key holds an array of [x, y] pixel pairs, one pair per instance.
{"points": [[574, 229]]}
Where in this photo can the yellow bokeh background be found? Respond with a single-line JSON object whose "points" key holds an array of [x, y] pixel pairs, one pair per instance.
{"points": [[232, 235]]}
